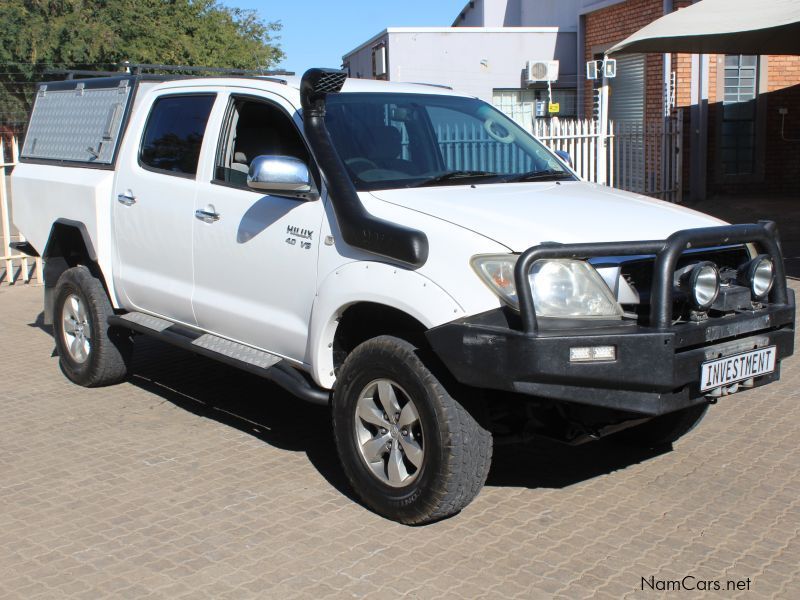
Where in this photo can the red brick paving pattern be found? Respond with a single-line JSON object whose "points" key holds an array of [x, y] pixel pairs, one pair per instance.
{"points": [[197, 481]]}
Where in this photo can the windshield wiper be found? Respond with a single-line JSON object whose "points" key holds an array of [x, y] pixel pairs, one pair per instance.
{"points": [[455, 175], [542, 175]]}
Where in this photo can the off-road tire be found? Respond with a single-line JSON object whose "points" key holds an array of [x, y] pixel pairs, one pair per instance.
{"points": [[458, 451], [108, 359], [663, 430]]}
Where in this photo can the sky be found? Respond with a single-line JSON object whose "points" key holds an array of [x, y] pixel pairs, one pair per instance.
{"points": [[316, 33]]}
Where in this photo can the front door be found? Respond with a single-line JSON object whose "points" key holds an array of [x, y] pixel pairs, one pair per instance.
{"points": [[154, 195], [255, 255]]}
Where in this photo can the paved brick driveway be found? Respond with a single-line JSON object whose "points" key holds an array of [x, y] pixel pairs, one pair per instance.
{"points": [[197, 481]]}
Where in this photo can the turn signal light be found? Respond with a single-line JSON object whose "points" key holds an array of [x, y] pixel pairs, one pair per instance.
{"points": [[592, 353]]}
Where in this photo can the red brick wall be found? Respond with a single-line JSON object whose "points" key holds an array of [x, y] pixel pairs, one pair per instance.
{"points": [[782, 158], [682, 65], [613, 24]]}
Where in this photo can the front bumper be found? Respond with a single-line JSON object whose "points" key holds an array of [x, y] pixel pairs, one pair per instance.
{"points": [[657, 367]]}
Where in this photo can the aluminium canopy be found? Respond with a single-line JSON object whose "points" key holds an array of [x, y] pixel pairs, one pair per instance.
{"points": [[721, 27]]}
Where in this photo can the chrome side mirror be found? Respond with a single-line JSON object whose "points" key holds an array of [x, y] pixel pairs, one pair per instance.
{"points": [[564, 155], [281, 176]]}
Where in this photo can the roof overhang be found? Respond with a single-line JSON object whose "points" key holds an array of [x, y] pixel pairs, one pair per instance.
{"points": [[721, 27]]}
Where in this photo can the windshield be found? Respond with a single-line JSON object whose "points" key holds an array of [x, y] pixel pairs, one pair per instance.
{"points": [[406, 140]]}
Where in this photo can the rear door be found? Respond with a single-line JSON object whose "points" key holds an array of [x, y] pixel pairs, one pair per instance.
{"points": [[154, 195]]}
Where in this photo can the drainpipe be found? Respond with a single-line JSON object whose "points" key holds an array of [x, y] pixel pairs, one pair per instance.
{"points": [[667, 61], [581, 68], [699, 128], [665, 146]]}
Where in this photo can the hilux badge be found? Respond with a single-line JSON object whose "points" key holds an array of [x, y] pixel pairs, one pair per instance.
{"points": [[299, 232]]}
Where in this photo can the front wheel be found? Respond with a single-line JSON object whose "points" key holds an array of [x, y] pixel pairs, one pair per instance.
{"points": [[411, 451]]}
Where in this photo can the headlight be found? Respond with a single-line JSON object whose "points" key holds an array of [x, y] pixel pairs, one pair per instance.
{"points": [[571, 288], [561, 287], [700, 282], [758, 275]]}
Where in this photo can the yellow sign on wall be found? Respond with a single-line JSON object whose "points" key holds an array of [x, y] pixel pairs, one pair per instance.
{"points": [[554, 107]]}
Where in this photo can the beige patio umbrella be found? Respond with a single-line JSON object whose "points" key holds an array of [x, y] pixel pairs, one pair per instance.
{"points": [[721, 27]]}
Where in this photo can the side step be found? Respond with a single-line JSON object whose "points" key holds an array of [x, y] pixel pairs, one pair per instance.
{"points": [[237, 355]]}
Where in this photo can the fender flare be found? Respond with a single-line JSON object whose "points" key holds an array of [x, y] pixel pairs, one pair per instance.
{"points": [[55, 264], [87, 240], [379, 283]]}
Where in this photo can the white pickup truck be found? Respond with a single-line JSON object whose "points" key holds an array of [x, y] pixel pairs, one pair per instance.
{"points": [[406, 254]]}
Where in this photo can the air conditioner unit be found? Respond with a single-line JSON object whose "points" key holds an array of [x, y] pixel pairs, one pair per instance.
{"points": [[541, 70]]}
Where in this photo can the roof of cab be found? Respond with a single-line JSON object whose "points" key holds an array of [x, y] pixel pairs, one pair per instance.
{"points": [[290, 86], [373, 85]]}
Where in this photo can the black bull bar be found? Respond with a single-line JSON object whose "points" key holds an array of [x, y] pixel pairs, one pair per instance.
{"points": [[763, 234]]}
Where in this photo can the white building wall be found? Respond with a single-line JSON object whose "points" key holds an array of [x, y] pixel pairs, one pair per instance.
{"points": [[501, 13], [359, 60], [472, 61], [521, 13], [472, 16], [556, 13]]}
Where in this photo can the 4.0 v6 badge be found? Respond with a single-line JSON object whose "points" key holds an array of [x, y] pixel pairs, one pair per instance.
{"points": [[298, 232]]}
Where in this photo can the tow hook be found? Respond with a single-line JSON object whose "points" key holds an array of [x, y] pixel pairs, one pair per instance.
{"points": [[713, 395]]}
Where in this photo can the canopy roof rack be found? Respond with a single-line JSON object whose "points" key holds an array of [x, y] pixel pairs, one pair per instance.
{"points": [[126, 68]]}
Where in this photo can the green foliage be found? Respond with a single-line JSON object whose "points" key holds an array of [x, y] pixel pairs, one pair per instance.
{"points": [[37, 35]]}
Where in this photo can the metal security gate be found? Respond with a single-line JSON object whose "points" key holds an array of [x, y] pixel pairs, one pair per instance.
{"points": [[646, 158], [626, 90]]}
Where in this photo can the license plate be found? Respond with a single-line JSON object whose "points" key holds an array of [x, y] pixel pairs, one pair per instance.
{"points": [[730, 369]]}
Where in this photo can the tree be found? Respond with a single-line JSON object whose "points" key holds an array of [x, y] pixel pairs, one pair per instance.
{"points": [[38, 35]]}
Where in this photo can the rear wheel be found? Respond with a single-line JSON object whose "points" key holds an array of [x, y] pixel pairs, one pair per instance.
{"points": [[90, 352], [665, 429], [410, 450]]}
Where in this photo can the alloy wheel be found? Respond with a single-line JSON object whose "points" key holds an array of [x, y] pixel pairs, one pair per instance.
{"points": [[388, 433]]}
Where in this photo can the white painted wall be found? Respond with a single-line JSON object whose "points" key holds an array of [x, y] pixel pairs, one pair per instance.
{"points": [[521, 13], [360, 59], [470, 60], [473, 16], [494, 13], [558, 13]]}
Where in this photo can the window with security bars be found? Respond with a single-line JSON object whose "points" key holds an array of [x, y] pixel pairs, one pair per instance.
{"points": [[738, 140]]}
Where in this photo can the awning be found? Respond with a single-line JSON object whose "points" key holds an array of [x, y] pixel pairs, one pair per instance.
{"points": [[722, 27]]}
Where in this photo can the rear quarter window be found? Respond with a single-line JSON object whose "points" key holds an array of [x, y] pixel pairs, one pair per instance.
{"points": [[174, 133]]}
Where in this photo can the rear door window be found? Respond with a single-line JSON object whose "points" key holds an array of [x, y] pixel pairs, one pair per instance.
{"points": [[174, 133]]}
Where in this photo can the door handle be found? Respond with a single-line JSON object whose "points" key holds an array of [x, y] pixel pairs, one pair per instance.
{"points": [[206, 216], [127, 199]]}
